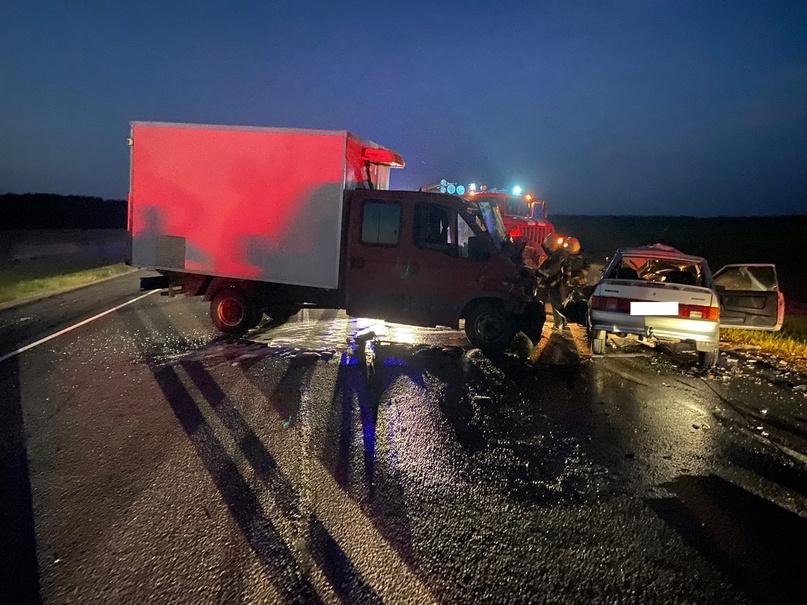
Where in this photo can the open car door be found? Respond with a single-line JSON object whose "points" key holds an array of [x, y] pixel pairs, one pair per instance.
{"points": [[749, 297]]}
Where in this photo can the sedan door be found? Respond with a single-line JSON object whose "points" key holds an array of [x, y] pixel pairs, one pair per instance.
{"points": [[749, 297]]}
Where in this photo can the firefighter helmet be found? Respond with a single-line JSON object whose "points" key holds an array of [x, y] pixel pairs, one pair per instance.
{"points": [[553, 241], [572, 245]]}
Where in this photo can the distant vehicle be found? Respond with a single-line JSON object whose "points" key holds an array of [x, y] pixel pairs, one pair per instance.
{"points": [[524, 217], [659, 293], [270, 220]]}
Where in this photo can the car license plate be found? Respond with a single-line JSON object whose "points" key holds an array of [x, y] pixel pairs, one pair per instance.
{"points": [[653, 308]]}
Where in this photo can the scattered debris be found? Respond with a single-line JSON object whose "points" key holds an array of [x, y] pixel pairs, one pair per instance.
{"points": [[429, 351], [746, 347], [362, 337], [481, 400]]}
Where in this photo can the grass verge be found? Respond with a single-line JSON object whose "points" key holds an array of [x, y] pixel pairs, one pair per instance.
{"points": [[790, 343], [17, 285]]}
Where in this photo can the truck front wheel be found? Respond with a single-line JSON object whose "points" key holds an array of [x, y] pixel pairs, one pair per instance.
{"points": [[490, 326], [232, 312]]}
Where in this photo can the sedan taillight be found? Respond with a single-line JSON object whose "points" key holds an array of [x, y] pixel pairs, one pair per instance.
{"points": [[610, 303], [614, 304], [698, 312]]}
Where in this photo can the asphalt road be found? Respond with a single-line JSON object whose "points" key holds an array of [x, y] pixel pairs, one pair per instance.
{"points": [[146, 459]]}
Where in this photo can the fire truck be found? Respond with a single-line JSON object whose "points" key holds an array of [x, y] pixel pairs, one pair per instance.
{"points": [[524, 216]]}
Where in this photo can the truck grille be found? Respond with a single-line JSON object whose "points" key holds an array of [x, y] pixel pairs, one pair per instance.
{"points": [[536, 235]]}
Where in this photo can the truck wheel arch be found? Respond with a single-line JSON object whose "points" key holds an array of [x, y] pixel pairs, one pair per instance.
{"points": [[215, 284]]}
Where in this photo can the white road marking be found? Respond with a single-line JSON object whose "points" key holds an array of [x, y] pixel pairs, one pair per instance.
{"points": [[73, 327], [792, 453]]}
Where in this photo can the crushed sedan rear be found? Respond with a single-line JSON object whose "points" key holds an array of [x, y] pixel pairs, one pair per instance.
{"points": [[661, 294]]}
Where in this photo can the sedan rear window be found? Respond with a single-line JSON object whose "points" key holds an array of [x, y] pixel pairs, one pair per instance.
{"points": [[658, 270]]}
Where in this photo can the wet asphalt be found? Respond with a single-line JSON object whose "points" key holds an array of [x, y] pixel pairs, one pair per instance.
{"points": [[147, 459]]}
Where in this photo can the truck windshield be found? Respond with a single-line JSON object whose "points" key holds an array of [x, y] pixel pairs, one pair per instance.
{"points": [[516, 207], [539, 210], [493, 222]]}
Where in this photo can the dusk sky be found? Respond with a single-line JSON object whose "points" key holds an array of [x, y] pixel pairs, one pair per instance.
{"points": [[626, 107]]}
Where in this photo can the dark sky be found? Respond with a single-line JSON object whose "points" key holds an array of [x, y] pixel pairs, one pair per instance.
{"points": [[627, 107]]}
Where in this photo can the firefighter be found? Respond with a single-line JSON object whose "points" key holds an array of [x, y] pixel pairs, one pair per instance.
{"points": [[575, 302], [553, 272], [577, 266], [565, 275]]}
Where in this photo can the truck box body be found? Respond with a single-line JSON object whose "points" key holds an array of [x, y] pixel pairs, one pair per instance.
{"points": [[263, 204]]}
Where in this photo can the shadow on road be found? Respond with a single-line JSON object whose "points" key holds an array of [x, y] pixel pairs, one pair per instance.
{"points": [[761, 547], [19, 575], [244, 505], [281, 563]]}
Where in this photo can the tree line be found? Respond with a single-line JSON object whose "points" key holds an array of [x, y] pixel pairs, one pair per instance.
{"points": [[53, 211]]}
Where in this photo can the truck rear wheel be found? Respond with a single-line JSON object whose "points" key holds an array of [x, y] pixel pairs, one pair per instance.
{"points": [[232, 312], [490, 326]]}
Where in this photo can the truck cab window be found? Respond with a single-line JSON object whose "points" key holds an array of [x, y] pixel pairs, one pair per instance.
{"points": [[517, 207], [381, 223], [441, 228], [464, 232]]}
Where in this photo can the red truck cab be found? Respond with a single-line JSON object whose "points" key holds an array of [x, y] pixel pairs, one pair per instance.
{"points": [[430, 259]]}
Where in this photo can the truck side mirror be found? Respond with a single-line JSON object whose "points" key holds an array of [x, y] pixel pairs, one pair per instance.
{"points": [[477, 250]]}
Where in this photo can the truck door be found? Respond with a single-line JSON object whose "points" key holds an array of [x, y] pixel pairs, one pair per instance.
{"points": [[376, 267], [408, 258], [749, 297]]}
